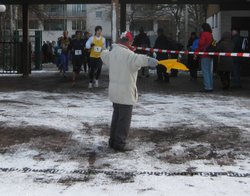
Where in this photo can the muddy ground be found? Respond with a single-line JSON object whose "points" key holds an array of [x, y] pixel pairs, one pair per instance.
{"points": [[222, 145]]}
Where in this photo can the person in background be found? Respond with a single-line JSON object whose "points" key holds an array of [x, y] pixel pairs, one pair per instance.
{"points": [[162, 43], [50, 52], [205, 41], [45, 48], [96, 44], [58, 52], [53, 52], [225, 64], [193, 64], [64, 43], [123, 70], [86, 53], [175, 46], [77, 48], [237, 40], [142, 40]]}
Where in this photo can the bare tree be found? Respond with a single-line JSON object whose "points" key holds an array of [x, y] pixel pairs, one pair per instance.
{"points": [[176, 12], [156, 12], [38, 11], [197, 15]]}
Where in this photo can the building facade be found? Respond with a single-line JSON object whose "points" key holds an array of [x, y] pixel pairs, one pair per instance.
{"points": [[71, 17], [223, 18]]}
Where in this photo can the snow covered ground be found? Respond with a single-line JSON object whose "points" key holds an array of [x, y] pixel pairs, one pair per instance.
{"points": [[171, 133]]}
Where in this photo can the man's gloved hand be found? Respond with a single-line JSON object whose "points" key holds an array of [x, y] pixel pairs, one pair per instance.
{"points": [[152, 62], [92, 45]]}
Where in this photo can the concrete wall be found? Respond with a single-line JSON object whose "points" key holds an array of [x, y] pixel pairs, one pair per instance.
{"points": [[224, 21], [215, 23], [105, 20], [227, 16]]}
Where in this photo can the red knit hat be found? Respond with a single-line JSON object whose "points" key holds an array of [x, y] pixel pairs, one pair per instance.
{"points": [[127, 35]]}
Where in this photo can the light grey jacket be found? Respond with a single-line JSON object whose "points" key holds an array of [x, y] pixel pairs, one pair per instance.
{"points": [[123, 66]]}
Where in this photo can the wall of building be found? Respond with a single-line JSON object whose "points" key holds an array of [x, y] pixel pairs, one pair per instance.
{"points": [[227, 16], [224, 21], [99, 15], [215, 23]]}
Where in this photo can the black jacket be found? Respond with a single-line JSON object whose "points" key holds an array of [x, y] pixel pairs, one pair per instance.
{"points": [[162, 42], [141, 40], [237, 40]]}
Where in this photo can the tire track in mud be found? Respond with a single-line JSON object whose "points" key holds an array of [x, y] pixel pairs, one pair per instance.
{"points": [[126, 173]]}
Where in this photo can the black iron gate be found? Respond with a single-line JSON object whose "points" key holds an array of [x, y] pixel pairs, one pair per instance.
{"points": [[11, 58]]}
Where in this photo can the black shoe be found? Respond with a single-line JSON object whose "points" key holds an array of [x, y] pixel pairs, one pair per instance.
{"points": [[225, 88], [236, 87], [125, 148], [111, 145], [158, 80], [206, 91], [193, 79]]}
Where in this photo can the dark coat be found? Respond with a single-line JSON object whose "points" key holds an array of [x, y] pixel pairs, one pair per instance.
{"points": [[237, 40], [162, 42], [225, 63], [141, 40]]}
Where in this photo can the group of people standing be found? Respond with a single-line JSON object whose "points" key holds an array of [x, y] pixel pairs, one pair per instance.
{"points": [[162, 42], [87, 50], [84, 51], [124, 65], [228, 68]]}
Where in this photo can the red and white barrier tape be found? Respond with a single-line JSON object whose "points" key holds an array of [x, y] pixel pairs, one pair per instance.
{"points": [[246, 55]]}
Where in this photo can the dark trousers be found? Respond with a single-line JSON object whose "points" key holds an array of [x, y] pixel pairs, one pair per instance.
{"points": [[120, 125], [77, 63], [95, 68], [144, 71], [225, 79], [236, 75], [162, 73], [193, 65], [64, 59], [86, 62]]}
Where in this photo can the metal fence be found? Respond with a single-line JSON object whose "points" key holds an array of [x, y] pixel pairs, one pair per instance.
{"points": [[10, 57]]}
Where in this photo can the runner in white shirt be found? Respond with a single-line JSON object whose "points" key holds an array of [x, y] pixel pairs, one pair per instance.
{"points": [[95, 44]]}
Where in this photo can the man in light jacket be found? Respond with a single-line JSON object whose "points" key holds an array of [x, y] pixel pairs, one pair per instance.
{"points": [[123, 67]]}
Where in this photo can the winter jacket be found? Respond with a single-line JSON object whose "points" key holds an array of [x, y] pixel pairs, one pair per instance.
{"points": [[76, 47], [195, 44], [141, 40], [225, 62], [205, 40], [162, 42], [123, 66], [237, 40]]}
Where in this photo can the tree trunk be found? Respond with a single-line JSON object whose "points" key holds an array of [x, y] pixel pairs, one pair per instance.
{"points": [[115, 20]]}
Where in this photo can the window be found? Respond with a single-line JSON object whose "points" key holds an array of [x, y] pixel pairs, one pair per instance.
{"points": [[98, 14], [76, 8], [212, 22], [55, 9], [55, 25], [216, 20], [78, 25], [33, 24], [20, 24], [147, 25]]}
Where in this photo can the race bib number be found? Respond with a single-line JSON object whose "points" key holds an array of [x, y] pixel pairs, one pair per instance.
{"points": [[78, 52], [59, 51], [97, 49]]}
